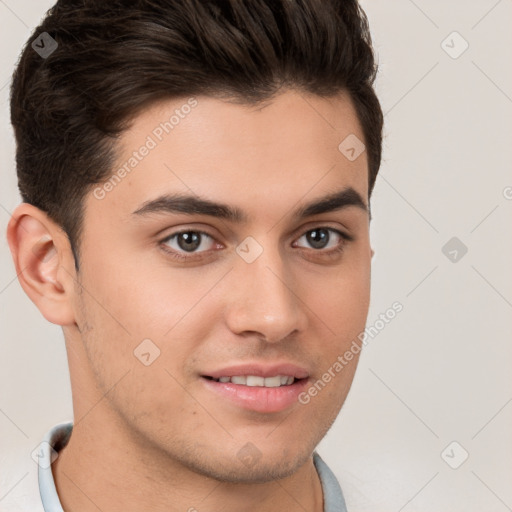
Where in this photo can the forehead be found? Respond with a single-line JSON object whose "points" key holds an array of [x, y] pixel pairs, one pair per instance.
{"points": [[291, 149]]}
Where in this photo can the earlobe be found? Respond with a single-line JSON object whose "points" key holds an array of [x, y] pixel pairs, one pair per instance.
{"points": [[39, 249]]}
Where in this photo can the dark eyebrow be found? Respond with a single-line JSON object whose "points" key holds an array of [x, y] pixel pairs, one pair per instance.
{"points": [[193, 205]]}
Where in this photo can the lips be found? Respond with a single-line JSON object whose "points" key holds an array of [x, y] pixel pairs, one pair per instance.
{"points": [[256, 387]]}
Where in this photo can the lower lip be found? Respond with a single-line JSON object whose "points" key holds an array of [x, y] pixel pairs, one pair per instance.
{"points": [[259, 398]]}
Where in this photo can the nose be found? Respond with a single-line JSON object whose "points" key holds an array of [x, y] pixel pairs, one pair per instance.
{"points": [[265, 298]]}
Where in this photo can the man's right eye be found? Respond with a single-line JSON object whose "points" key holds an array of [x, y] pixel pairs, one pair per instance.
{"points": [[185, 241]]}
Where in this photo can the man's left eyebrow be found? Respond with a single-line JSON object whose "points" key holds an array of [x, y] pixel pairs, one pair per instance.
{"points": [[194, 205], [332, 202]]}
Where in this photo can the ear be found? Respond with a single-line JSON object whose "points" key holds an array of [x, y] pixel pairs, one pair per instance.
{"points": [[44, 263], [373, 252]]}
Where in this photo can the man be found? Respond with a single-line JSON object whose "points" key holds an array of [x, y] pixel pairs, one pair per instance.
{"points": [[196, 178]]}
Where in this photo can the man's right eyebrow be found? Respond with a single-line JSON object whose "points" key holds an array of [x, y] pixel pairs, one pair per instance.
{"points": [[194, 205], [191, 205]]}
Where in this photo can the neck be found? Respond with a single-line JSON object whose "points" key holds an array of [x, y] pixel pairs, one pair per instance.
{"points": [[111, 469]]}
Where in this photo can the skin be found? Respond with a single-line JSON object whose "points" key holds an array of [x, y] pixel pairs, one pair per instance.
{"points": [[154, 437]]}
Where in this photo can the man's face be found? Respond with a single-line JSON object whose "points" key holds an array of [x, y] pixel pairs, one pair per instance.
{"points": [[270, 295]]}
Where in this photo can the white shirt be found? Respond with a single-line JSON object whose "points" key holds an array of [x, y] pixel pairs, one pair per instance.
{"points": [[57, 438]]}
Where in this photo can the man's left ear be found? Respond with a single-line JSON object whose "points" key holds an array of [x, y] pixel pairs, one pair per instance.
{"points": [[373, 252], [44, 262]]}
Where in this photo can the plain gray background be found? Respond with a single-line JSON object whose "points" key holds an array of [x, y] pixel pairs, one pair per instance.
{"points": [[435, 384]]}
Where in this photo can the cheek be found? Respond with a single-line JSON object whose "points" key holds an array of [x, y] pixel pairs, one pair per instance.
{"points": [[142, 299], [341, 298], [137, 369], [149, 322]]}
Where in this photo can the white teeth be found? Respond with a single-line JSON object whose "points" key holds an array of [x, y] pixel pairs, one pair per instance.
{"points": [[272, 382], [256, 380], [252, 380]]}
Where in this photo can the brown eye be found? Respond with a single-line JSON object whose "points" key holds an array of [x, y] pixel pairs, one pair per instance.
{"points": [[186, 242], [319, 238]]}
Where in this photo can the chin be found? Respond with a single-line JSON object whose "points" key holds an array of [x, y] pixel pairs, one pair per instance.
{"points": [[259, 473], [249, 466]]}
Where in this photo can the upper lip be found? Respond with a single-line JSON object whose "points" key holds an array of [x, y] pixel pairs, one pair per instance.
{"points": [[260, 370]]}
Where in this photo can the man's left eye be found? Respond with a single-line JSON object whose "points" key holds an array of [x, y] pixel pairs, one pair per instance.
{"points": [[319, 238]]}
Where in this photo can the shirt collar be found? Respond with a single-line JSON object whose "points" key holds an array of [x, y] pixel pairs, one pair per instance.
{"points": [[57, 438], [53, 442]]}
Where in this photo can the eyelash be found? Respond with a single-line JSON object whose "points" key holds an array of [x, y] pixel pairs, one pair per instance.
{"points": [[328, 253]]}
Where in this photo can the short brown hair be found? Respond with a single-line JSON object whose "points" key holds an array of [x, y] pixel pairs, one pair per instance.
{"points": [[116, 57]]}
